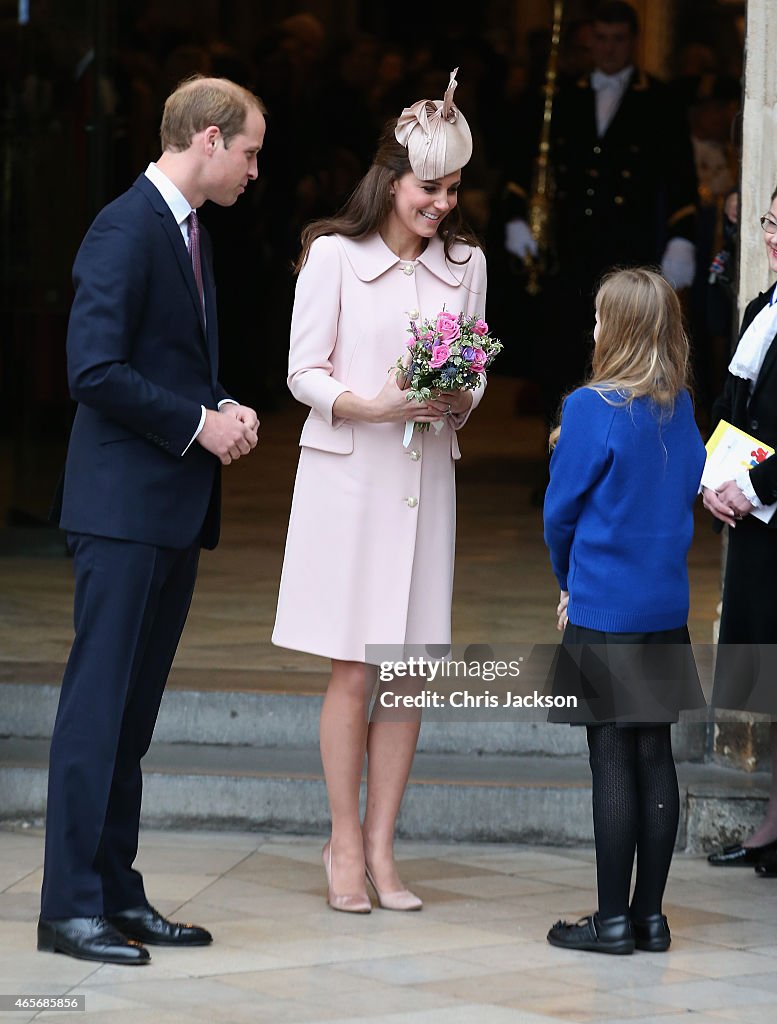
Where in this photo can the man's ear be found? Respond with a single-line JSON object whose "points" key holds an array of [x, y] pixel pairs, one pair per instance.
{"points": [[211, 137]]}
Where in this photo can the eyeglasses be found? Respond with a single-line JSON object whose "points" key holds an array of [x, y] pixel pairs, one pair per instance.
{"points": [[769, 226]]}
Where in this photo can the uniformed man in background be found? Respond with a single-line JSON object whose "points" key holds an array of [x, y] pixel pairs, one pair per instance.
{"points": [[623, 188]]}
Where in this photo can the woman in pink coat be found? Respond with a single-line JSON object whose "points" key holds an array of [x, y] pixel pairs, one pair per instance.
{"points": [[369, 553]]}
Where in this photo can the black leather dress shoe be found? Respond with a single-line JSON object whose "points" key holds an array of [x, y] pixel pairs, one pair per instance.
{"points": [[595, 934], [652, 933], [738, 855], [147, 925], [90, 938]]}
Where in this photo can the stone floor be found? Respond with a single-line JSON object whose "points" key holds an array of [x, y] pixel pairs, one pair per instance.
{"points": [[476, 954]]}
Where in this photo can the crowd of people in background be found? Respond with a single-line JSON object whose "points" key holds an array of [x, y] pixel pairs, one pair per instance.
{"points": [[312, 79]]}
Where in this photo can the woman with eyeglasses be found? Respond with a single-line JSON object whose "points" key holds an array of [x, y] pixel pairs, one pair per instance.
{"points": [[746, 664]]}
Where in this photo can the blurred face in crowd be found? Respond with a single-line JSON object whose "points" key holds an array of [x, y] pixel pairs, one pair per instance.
{"points": [[613, 46]]}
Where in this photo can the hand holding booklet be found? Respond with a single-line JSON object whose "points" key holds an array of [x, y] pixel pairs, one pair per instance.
{"points": [[730, 451]]}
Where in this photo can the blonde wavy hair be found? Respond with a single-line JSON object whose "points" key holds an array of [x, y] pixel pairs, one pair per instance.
{"points": [[641, 349]]}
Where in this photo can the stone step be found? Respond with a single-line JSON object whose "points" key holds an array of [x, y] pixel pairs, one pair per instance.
{"points": [[528, 799], [259, 718]]}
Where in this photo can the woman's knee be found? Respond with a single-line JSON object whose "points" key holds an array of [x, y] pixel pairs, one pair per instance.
{"points": [[352, 679]]}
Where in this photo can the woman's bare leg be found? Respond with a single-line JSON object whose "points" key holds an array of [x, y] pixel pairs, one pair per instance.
{"points": [[343, 735], [390, 751]]}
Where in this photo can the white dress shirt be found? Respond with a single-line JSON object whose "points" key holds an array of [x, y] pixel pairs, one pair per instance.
{"points": [[609, 91], [180, 209]]}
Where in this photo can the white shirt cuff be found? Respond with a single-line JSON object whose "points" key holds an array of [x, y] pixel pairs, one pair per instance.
{"points": [[200, 425], [226, 401], [743, 483]]}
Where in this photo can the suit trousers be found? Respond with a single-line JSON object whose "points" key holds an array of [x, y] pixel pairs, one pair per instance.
{"points": [[131, 603]]}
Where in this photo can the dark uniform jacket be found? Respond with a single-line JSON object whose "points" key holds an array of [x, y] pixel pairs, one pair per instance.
{"points": [[619, 198]]}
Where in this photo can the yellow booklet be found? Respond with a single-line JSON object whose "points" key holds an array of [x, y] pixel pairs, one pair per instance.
{"points": [[731, 451]]}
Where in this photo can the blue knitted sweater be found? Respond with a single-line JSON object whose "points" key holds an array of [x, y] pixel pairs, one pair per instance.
{"points": [[619, 511]]}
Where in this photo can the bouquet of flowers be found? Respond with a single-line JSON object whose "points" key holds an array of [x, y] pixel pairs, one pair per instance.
{"points": [[447, 353]]}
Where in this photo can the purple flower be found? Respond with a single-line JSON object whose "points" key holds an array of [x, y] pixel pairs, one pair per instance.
{"points": [[468, 353]]}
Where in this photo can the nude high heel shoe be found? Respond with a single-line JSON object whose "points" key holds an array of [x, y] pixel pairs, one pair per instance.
{"points": [[402, 899], [356, 904]]}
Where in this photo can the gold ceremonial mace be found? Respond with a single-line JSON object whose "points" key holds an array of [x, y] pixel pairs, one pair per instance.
{"points": [[541, 198]]}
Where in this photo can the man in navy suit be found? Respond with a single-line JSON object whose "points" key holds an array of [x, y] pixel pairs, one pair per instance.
{"points": [[140, 497]]}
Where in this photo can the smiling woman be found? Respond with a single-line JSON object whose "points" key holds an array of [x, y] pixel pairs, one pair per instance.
{"points": [[369, 553], [418, 208]]}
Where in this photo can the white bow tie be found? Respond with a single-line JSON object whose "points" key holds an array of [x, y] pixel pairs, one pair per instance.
{"points": [[599, 81]]}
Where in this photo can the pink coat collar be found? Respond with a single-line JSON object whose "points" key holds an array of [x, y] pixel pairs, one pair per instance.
{"points": [[370, 257]]}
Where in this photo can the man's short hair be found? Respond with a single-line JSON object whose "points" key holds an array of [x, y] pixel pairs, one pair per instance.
{"points": [[199, 102], [618, 12]]}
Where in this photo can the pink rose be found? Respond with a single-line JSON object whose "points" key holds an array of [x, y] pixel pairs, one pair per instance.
{"points": [[448, 327], [481, 328], [479, 361], [440, 355]]}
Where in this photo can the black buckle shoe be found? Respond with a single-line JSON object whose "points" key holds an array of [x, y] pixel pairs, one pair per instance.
{"points": [[741, 856], [595, 934], [652, 933], [147, 925], [90, 938]]}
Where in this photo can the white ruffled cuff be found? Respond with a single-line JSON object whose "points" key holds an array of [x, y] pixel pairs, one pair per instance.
{"points": [[743, 483]]}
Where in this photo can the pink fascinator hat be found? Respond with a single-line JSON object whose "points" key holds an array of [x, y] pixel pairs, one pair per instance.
{"points": [[436, 135]]}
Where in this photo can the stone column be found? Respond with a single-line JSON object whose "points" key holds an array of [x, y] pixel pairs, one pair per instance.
{"points": [[759, 145], [744, 744]]}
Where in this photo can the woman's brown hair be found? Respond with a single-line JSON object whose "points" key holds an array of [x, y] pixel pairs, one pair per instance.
{"points": [[370, 204]]}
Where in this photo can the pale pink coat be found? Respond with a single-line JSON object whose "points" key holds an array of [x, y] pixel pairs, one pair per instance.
{"points": [[369, 552]]}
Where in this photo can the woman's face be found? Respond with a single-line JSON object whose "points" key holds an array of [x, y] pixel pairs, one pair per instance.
{"points": [[420, 206], [597, 325], [771, 239]]}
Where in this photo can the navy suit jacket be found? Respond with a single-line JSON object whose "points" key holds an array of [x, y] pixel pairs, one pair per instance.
{"points": [[141, 363]]}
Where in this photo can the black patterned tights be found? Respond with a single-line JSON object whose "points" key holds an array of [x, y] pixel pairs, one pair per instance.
{"points": [[636, 804]]}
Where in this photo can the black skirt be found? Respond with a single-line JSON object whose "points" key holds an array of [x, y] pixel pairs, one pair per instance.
{"points": [[632, 679], [746, 659]]}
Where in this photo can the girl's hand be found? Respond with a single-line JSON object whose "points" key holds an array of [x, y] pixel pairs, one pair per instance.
{"points": [[451, 403], [561, 610]]}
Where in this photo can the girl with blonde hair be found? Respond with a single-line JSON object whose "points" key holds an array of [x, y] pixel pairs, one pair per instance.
{"points": [[624, 476]]}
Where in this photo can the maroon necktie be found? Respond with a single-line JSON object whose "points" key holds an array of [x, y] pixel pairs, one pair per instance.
{"points": [[194, 252]]}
